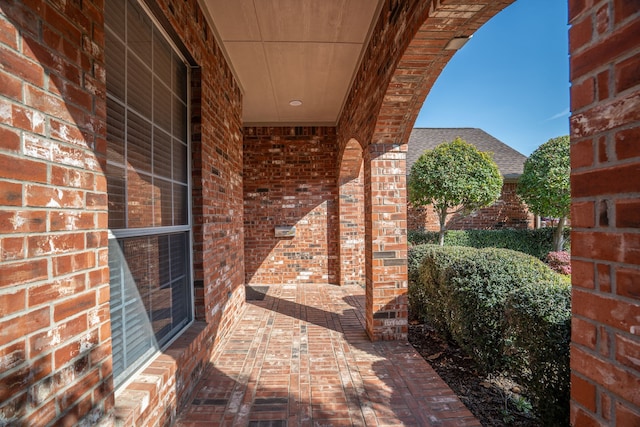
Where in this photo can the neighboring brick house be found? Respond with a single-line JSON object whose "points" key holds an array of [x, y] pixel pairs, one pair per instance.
{"points": [[507, 212], [145, 163]]}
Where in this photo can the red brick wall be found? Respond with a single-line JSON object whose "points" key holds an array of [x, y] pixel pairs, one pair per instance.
{"points": [[54, 281], [54, 284], [218, 262], [507, 212], [605, 242], [290, 180]]}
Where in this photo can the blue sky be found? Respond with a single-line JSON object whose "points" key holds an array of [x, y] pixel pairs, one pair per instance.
{"points": [[511, 79]]}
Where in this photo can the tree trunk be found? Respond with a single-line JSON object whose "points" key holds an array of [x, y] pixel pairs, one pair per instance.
{"points": [[442, 215], [558, 235]]}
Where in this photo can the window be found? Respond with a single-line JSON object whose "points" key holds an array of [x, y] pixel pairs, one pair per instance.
{"points": [[148, 186]]}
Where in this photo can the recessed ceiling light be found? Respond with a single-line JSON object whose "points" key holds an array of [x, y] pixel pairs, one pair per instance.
{"points": [[295, 103]]}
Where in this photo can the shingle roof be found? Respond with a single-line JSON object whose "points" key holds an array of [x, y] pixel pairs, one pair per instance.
{"points": [[509, 161]]}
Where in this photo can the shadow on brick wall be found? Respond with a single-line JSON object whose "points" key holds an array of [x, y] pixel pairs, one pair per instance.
{"points": [[290, 181]]}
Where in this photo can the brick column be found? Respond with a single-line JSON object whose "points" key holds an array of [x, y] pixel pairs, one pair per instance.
{"points": [[605, 213], [55, 339], [351, 214], [386, 241]]}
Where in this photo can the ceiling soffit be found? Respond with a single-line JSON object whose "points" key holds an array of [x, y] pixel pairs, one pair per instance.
{"points": [[284, 50]]}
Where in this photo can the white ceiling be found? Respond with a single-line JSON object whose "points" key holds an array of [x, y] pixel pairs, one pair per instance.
{"points": [[284, 50]]}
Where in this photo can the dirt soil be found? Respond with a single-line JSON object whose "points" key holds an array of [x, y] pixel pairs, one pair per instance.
{"points": [[494, 400]]}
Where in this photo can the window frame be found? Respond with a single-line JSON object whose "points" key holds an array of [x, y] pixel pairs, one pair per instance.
{"points": [[160, 24]]}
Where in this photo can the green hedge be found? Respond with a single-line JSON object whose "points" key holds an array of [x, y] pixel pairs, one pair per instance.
{"points": [[506, 309], [537, 243], [431, 303], [539, 322]]}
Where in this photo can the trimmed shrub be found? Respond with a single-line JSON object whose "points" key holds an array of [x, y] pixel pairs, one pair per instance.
{"points": [[539, 319], [451, 237], [481, 283], [416, 295], [506, 309], [414, 260], [537, 243], [430, 303]]}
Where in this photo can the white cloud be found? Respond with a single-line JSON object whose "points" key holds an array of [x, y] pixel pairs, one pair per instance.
{"points": [[564, 113]]}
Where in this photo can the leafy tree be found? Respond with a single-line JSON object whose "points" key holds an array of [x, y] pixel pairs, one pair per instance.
{"points": [[454, 177], [544, 184]]}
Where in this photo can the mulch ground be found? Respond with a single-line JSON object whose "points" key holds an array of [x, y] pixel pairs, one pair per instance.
{"points": [[495, 400]]}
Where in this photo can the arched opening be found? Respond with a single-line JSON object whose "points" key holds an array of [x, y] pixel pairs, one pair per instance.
{"points": [[604, 175], [351, 210], [515, 89], [410, 46]]}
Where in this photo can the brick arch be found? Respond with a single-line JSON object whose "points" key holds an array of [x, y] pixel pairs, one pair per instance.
{"points": [[351, 213], [406, 54], [423, 60]]}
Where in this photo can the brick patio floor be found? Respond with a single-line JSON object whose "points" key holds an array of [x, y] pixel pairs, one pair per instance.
{"points": [[301, 357]]}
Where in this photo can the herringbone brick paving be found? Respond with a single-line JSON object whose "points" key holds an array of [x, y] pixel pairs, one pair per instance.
{"points": [[301, 357]]}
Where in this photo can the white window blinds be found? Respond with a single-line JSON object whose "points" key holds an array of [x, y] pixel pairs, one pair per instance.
{"points": [[148, 186]]}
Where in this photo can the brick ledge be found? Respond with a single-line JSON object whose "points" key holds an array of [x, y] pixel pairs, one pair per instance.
{"points": [[157, 391]]}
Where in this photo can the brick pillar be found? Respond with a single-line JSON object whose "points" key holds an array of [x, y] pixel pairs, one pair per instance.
{"points": [[351, 207], [386, 241], [605, 213], [55, 335]]}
